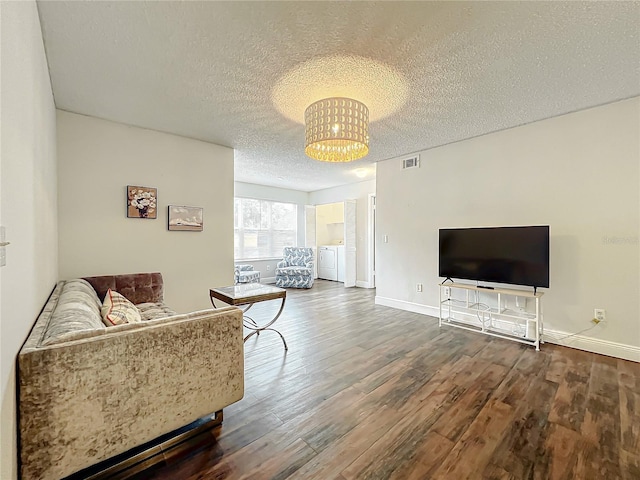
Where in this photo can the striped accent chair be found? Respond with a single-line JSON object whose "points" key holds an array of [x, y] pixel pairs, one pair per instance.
{"points": [[246, 274], [296, 268]]}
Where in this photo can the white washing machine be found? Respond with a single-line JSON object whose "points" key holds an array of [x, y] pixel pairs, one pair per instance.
{"points": [[331, 262]]}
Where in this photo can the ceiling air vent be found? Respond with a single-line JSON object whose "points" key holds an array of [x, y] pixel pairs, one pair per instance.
{"points": [[413, 162]]}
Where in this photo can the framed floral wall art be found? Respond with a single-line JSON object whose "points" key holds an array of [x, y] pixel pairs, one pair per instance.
{"points": [[187, 219], [142, 202]]}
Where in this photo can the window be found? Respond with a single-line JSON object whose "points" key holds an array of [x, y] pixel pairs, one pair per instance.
{"points": [[261, 228]]}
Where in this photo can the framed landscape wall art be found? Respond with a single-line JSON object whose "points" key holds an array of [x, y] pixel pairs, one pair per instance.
{"points": [[142, 202], [186, 219]]}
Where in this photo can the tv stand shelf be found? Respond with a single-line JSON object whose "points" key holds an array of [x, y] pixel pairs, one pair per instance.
{"points": [[497, 320]]}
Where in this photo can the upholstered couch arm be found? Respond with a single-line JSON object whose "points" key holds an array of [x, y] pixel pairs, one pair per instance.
{"points": [[310, 265], [86, 400], [282, 264]]}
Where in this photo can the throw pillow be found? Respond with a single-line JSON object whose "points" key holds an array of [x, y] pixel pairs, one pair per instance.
{"points": [[117, 310]]}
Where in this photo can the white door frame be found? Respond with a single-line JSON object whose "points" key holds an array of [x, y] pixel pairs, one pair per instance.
{"points": [[371, 240], [350, 243], [310, 234]]}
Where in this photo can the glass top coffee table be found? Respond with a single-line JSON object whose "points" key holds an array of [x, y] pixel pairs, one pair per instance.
{"points": [[249, 294]]}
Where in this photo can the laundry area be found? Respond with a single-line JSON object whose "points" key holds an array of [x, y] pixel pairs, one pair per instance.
{"points": [[330, 241]]}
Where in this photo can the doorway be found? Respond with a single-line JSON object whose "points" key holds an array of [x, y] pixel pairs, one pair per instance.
{"points": [[335, 229]]}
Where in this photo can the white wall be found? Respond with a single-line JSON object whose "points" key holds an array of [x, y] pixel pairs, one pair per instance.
{"points": [[355, 191], [28, 200], [263, 192], [579, 173], [97, 159]]}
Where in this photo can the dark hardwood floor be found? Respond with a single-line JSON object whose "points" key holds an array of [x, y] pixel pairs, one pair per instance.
{"points": [[369, 392]]}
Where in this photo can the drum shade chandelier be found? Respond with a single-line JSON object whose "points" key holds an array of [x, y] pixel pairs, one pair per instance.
{"points": [[336, 130]]}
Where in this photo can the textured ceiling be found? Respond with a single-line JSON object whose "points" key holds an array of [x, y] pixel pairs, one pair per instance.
{"points": [[208, 70], [383, 90]]}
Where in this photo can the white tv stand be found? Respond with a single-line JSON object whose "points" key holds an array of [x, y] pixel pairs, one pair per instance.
{"points": [[497, 320]]}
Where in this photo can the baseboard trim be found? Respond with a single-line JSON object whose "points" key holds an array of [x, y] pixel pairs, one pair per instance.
{"points": [[361, 284], [566, 339], [408, 306], [268, 280], [594, 345]]}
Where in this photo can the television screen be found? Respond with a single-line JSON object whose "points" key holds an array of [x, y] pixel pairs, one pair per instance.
{"points": [[515, 255]]}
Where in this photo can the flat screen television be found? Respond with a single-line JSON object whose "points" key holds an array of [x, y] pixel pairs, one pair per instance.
{"points": [[514, 255]]}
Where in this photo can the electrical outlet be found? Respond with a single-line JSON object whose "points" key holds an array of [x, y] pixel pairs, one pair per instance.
{"points": [[268, 268], [418, 287], [447, 291], [600, 314]]}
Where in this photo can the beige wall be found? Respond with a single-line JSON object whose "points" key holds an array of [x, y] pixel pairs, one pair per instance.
{"points": [[28, 200], [97, 159], [579, 173], [355, 191]]}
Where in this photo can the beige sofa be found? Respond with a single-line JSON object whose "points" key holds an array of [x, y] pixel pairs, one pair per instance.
{"points": [[88, 392]]}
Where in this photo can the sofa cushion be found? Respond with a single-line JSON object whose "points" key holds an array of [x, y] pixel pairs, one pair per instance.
{"points": [[78, 309], [150, 311], [293, 270], [117, 310], [136, 287]]}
